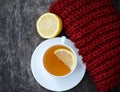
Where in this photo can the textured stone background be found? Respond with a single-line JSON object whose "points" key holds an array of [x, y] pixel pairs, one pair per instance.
{"points": [[18, 39]]}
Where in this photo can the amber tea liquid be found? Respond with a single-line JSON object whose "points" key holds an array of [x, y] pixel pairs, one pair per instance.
{"points": [[54, 65]]}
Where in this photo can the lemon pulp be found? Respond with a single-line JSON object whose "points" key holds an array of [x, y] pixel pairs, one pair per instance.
{"points": [[49, 25]]}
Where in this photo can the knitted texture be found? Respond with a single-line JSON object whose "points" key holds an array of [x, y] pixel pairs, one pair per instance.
{"points": [[94, 27]]}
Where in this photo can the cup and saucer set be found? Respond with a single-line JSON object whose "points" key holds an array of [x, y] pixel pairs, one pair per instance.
{"points": [[54, 83]]}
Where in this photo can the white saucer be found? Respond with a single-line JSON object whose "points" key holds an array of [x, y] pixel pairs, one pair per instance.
{"points": [[50, 82]]}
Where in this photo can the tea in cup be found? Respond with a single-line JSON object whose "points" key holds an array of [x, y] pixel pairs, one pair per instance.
{"points": [[59, 59]]}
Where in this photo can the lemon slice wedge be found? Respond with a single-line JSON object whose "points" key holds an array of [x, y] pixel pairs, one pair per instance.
{"points": [[49, 25], [66, 56]]}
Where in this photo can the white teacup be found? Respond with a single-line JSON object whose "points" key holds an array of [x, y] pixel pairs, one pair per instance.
{"points": [[52, 71]]}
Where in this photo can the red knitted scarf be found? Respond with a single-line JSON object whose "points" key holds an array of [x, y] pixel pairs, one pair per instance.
{"points": [[94, 27]]}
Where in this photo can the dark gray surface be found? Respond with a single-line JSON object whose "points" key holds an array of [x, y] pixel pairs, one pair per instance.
{"points": [[18, 39]]}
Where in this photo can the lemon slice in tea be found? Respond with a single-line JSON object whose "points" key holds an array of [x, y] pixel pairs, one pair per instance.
{"points": [[66, 56]]}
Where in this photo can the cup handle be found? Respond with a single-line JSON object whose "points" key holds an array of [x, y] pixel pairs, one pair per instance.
{"points": [[63, 40]]}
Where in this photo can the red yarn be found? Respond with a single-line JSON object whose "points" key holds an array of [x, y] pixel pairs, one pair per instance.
{"points": [[94, 27]]}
